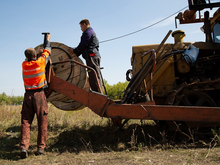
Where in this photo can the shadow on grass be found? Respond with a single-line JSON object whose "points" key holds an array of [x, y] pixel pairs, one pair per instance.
{"points": [[107, 139], [96, 139], [9, 143], [103, 139]]}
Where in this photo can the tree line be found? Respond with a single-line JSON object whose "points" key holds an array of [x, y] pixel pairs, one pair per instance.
{"points": [[114, 92], [10, 100]]}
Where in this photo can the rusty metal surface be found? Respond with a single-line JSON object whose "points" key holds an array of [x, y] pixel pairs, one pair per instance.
{"points": [[159, 112], [93, 100], [103, 106], [197, 85]]}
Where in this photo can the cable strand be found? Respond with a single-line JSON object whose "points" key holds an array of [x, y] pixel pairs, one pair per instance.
{"points": [[143, 28]]}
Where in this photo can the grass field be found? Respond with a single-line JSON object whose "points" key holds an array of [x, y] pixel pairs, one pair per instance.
{"points": [[82, 137]]}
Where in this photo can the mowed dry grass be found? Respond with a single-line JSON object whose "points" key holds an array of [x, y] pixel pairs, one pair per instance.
{"points": [[82, 137]]}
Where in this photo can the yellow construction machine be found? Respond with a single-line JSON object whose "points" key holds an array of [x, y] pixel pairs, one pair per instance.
{"points": [[186, 73]]}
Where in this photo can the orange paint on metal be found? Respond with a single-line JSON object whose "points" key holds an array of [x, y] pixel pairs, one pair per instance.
{"points": [[104, 106], [93, 100], [164, 112]]}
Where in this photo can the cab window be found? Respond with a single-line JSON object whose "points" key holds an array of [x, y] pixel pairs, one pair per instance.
{"points": [[216, 33]]}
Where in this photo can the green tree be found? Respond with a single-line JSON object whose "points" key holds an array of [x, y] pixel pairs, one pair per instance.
{"points": [[17, 99], [116, 91], [4, 99]]}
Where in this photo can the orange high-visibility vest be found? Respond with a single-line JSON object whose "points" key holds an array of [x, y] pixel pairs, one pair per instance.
{"points": [[34, 72]]}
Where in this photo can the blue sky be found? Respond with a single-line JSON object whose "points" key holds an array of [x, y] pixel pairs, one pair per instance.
{"points": [[23, 21]]}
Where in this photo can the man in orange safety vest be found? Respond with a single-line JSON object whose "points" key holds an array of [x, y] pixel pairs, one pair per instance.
{"points": [[35, 101]]}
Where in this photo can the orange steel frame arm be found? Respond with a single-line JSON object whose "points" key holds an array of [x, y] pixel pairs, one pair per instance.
{"points": [[94, 100], [105, 107]]}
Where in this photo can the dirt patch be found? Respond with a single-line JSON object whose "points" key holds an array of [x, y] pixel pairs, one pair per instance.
{"points": [[174, 156]]}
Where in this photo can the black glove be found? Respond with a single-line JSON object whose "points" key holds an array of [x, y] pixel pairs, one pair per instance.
{"points": [[77, 52]]}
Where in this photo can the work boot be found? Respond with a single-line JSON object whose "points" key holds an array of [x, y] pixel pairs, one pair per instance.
{"points": [[23, 154], [40, 152]]}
